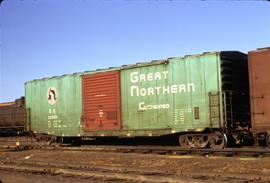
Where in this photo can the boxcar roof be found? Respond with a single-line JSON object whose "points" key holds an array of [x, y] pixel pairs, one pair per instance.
{"points": [[140, 64]]}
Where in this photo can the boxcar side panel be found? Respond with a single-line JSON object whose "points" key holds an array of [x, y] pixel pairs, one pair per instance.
{"points": [[55, 105], [173, 95]]}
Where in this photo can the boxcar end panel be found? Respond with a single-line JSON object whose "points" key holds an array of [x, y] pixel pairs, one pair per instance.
{"points": [[259, 66]]}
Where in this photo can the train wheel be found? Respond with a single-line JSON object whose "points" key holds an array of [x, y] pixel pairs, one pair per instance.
{"points": [[199, 141], [267, 140], [218, 141], [184, 141], [193, 141]]}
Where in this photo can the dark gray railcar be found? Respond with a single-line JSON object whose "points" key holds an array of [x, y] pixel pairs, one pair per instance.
{"points": [[13, 117]]}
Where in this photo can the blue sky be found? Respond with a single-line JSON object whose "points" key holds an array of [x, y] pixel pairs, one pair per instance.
{"points": [[41, 38]]}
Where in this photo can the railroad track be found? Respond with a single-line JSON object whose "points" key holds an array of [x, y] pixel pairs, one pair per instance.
{"points": [[253, 152], [163, 150], [28, 143]]}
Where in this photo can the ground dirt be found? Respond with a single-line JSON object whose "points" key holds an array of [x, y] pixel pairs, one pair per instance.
{"points": [[183, 168]]}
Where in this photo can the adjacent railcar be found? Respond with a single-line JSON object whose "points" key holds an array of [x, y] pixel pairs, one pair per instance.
{"points": [[259, 67], [13, 117], [203, 99]]}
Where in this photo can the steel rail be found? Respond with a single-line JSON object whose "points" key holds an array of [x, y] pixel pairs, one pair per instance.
{"points": [[26, 144], [166, 150]]}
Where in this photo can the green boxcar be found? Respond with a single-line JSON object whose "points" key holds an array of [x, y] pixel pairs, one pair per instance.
{"points": [[55, 105], [174, 96]]}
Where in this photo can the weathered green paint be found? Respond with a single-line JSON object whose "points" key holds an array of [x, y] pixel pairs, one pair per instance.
{"points": [[189, 79], [62, 118]]}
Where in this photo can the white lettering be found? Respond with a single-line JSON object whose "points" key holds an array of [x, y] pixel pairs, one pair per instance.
{"points": [[150, 91], [136, 88], [150, 77], [182, 88], [174, 88], [165, 73], [157, 76], [143, 92], [142, 77], [144, 107], [191, 87], [52, 117], [141, 106], [134, 77], [157, 89], [166, 89]]}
